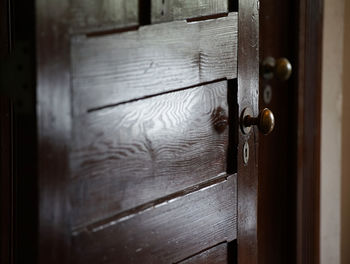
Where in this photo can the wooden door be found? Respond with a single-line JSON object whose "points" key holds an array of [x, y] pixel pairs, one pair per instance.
{"points": [[277, 152], [140, 147], [289, 160]]}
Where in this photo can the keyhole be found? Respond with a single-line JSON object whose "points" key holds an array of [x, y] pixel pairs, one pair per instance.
{"points": [[267, 94], [245, 152]]}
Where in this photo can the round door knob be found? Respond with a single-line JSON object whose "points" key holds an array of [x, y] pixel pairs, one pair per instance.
{"points": [[280, 68], [283, 69], [265, 121]]}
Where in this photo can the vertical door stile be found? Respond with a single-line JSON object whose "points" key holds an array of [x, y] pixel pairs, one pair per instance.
{"points": [[248, 95], [54, 129]]}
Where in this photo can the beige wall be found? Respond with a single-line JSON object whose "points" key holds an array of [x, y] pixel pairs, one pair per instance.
{"points": [[331, 131], [335, 134], [345, 205]]}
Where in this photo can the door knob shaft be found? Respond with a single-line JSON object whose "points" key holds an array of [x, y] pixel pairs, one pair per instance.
{"points": [[265, 121]]}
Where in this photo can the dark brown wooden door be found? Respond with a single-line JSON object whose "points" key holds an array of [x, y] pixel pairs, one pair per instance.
{"points": [[141, 155], [277, 152]]}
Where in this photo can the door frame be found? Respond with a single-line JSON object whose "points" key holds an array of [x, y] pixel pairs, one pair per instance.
{"points": [[307, 121]]}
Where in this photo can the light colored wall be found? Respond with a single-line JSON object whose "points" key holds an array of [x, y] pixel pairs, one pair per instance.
{"points": [[331, 131], [345, 206]]}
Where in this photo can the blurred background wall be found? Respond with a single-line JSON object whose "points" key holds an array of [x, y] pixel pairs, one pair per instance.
{"points": [[345, 185], [331, 131], [335, 134]]}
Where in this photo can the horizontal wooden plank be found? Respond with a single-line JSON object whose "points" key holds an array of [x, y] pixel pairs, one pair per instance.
{"points": [[166, 233], [171, 10], [134, 153], [215, 255], [92, 15], [155, 59]]}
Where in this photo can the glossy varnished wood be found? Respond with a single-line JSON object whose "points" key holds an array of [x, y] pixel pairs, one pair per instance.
{"points": [[215, 255], [165, 233], [134, 153], [163, 11], [248, 92], [151, 61], [94, 16], [133, 134], [54, 129]]}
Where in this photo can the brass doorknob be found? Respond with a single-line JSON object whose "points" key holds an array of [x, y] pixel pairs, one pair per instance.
{"points": [[281, 68], [265, 121]]}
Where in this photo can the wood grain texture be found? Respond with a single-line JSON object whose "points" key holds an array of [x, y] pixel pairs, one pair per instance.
{"points": [[117, 68], [166, 233], [248, 96], [92, 15], [214, 255], [134, 153], [54, 129], [170, 10]]}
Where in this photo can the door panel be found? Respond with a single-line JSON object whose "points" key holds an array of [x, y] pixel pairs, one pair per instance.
{"points": [[165, 232], [90, 15], [116, 68], [219, 254], [125, 156], [140, 165], [163, 11]]}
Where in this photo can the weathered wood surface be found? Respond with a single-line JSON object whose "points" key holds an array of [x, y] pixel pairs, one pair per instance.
{"points": [[171, 10], [97, 15], [128, 180], [214, 255], [116, 68], [165, 233], [248, 96], [134, 153]]}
